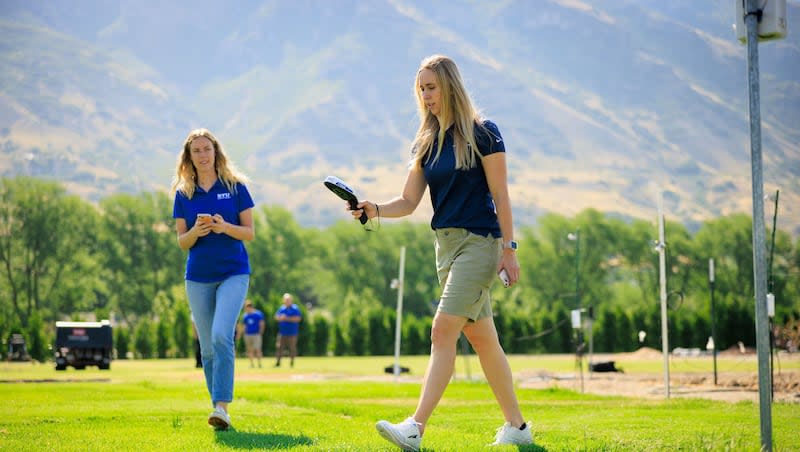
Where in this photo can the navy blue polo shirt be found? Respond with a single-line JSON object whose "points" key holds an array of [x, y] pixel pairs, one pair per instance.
{"points": [[461, 199], [215, 257]]}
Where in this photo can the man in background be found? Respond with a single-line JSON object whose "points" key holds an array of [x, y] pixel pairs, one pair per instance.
{"points": [[288, 317], [253, 323]]}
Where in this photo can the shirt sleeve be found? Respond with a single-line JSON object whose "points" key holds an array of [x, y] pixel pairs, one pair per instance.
{"points": [[488, 138], [244, 198], [177, 206]]}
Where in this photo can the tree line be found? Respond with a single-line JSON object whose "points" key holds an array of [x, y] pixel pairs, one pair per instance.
{"points": [[64, 258]]}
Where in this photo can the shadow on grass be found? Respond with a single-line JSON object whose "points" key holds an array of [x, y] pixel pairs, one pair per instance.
{"points": [[252, 440], [520, 448], [531, 448]]}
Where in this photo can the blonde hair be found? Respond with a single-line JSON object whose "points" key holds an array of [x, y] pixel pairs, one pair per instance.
{"points": [[456, 108], [185, 179]]}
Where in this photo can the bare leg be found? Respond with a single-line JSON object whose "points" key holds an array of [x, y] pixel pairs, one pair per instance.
{"points": [[278, 350], [483, 337], [292, 350], [444, 334]]}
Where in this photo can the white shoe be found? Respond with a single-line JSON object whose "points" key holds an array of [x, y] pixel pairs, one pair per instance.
{"points": [[508, 434], [219, 419], [405, 434]]}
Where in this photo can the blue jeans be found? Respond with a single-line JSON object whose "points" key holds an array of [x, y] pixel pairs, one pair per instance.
{"points": [[216, 307]]}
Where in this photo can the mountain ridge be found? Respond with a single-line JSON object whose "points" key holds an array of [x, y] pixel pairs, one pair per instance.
{"points": [[631, 99]]}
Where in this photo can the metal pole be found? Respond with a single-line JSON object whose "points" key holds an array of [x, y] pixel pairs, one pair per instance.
{"points": [[577, 268], [590, 316], [580, 354], [771, 297], [662, 277], [713, 317], [759, 230], [399, 319], [770, 279], [579, 350]]}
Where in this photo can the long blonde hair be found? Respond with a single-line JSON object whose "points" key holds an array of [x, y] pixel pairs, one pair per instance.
{"points": [[456, 108], [185, 179]]}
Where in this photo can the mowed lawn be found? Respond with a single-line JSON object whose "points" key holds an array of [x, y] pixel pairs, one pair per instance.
{"points": [[333, 403]]}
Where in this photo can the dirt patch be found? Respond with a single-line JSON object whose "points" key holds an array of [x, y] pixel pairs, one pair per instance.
{"points": [[730, 386]]}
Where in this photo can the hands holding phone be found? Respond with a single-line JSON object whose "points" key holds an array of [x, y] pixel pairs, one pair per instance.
{"points": [[207, 223]]}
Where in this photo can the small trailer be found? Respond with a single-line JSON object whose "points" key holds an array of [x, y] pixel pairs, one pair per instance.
{"points": [[81, 344]]}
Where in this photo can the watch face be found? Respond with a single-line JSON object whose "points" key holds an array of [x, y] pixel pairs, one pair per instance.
{"points": [[511, 244]]}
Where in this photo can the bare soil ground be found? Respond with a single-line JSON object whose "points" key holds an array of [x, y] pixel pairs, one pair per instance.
{"points": [[732, 386], [698, 382]]}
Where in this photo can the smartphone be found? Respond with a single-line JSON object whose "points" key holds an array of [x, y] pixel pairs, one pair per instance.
{"points": [[503, 275], [204, 218]]}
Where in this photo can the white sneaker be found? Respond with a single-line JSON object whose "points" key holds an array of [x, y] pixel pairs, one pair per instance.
{"points": [[508, 434], [219, 419], [405, 434]]}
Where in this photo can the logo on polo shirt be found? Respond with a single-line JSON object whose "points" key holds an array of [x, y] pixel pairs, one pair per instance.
{"points": [[223, 196]]}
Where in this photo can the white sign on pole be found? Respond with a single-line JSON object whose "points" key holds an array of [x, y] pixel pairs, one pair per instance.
{"points": [[576, 318]]}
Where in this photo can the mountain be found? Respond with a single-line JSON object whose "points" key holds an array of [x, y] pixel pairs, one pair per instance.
{"points": [[601, 104]]}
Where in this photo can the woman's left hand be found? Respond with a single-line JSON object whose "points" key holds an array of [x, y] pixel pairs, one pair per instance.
{"points": [[218, 224]]}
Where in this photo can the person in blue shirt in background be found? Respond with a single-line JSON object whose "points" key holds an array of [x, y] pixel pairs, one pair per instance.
{"points": [[461, 158], [213, 214], [253, 326], [288, 317]]}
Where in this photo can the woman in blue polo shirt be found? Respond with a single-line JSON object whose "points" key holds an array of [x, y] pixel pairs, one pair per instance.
{"points": [[213, 214], [461, 157]]}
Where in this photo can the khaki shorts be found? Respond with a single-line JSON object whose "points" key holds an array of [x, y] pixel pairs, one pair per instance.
{"points": [[466, 264], [283, 342], [252, 341]]}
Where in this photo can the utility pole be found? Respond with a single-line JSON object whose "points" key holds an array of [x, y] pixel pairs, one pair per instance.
{"points": [[752, 15], [399, 320], [713, 317], [771, 296], [662, 278], [576, 237]]}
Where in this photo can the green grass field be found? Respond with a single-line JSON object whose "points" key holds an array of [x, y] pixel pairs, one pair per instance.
{"points": [[333, 403]]}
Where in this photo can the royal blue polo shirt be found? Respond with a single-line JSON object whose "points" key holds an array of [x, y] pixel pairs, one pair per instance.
{"points": [[289, 328], [461, 198], [252, 321], [215, 257]]}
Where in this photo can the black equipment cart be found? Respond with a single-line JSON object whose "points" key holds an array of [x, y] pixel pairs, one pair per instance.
{"points": [[81, 344]]}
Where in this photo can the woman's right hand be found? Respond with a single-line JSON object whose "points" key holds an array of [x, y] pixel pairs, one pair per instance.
{"points": [[369, 207], [201, 229]]}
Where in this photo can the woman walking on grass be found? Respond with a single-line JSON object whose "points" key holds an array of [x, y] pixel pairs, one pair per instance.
{"points": [[213, 214], [460, 156]]}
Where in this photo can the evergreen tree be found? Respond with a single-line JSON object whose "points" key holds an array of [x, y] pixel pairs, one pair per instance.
{"points": [[321, 334], [121, 341], [36, 342], [144, 339], [163, 339], [340, 345], [182, 333]]}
